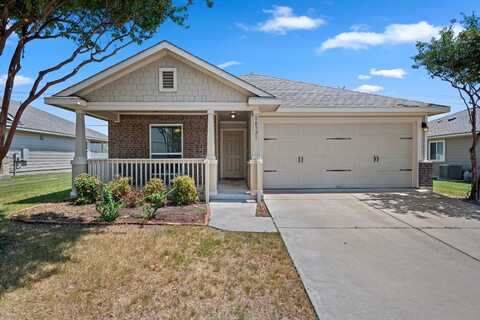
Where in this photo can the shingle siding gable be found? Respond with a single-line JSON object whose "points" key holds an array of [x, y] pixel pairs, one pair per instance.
{"points": [[142, 85]]}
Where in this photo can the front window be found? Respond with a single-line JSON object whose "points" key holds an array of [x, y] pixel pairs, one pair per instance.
{"points": [[436, 150], [166, 141]]}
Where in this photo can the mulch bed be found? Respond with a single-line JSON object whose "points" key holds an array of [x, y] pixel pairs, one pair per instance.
{"points": [[68, 213], [262, 210]]}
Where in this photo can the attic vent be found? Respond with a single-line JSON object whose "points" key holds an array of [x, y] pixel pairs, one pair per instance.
{"points": [[451, 119], [168, 79]]}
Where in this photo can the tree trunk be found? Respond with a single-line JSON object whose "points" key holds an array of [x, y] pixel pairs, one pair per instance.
{"points": [[474, 190]]}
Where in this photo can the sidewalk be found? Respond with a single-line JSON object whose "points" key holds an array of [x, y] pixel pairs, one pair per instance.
{"points": [[238, 216]]}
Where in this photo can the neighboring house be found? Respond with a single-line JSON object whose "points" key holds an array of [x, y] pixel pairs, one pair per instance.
{"points": [[46, 142], [449, 141], [171, 113]]}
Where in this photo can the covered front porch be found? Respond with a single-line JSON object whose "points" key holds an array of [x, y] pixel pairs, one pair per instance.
{"points": [[219, 149]]}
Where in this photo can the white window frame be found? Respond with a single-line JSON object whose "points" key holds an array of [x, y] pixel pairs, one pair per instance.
{"points": [[442, 158], [160, 78], [165, 153]]}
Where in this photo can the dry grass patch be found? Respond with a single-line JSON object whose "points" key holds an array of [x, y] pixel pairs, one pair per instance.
{"points": [[129, 272]]}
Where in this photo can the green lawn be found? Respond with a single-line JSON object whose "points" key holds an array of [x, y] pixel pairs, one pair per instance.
{"points": [[28, 190], [453, 189]]}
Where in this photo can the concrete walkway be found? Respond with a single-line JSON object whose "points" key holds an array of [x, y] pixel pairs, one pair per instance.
{"points": [[238, 216], [384, 255]]}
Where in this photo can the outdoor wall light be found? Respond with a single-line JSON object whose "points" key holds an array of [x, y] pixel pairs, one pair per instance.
{"points": [[424, 126], [233, 115]]}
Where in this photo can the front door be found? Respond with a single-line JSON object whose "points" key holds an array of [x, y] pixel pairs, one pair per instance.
{"points": [[233, 147]]}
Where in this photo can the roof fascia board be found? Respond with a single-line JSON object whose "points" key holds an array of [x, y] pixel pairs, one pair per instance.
{"points": [[453, 135], [70, 103], [419, 110], [167, 106]]}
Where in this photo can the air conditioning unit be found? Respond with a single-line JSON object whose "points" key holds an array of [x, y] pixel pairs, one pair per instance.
{"points": [[451, 172]]}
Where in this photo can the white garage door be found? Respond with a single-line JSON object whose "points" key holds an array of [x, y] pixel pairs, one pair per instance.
{"points": [[355, 155]]}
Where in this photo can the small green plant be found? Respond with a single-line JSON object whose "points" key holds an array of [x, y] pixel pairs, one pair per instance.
{"points": [[153, 186], [156, 200], [87, 187], [120, 187], [133, 198], [185, 191], [149, 212], [107, 206]]}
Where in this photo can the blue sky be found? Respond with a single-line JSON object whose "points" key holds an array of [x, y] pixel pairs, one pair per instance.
{"points": [[362, 45]]}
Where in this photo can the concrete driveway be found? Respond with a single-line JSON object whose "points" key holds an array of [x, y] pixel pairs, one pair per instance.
{"points": [[383, 255]]}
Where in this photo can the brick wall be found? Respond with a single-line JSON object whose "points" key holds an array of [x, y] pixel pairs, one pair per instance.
{"points": [[129, 138], [425, 174]]}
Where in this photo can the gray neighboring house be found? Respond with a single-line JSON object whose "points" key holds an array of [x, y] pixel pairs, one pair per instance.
{"points": [[46, 142], [449, 141]]}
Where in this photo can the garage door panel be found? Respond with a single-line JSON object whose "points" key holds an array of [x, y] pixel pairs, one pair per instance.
{"points": [[338, 155]]}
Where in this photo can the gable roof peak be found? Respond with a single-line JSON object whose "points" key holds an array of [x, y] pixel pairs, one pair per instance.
{"points": [[153, 50]]}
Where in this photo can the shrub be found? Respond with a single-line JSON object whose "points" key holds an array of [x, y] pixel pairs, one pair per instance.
{"points": [[120, 187], [87, 187], [107, 206], [153, 186], [185, 191], [133, 198]]}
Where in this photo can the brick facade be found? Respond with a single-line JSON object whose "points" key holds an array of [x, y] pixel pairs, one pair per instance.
{"points": [[129, 138], [425, 174]]}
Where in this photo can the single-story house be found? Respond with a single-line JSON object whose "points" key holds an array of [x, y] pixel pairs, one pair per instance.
{"points": [[449, 141], [44, 142], [170, 113]]}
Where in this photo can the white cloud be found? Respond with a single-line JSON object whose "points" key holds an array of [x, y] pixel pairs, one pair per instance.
{"points": [[283, 20], [228, 64], [19, 80], [393, 34], [369, 88], [360, 27], [398, 73], [363, 77]]}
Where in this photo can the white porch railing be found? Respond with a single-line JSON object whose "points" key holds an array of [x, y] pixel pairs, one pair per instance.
{"points": [[140, 171]]}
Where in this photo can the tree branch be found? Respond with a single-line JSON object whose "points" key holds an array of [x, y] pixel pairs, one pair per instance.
{"points": [[34, 95]]}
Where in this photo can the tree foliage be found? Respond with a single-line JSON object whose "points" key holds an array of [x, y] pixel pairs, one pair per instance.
{"points": [[98, 29], [454, 57]]}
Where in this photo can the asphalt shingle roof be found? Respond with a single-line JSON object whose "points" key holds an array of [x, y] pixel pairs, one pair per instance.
{"points": [[36, 119], [454, 123], [297, 94]]}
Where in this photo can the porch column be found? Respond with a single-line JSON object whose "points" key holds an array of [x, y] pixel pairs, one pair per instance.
{"points": [[212, 159], [425, 140], [256, 155], [79, 162]]}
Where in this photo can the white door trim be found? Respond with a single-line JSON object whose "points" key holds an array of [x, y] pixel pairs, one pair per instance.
{"points": [[244, 131]]}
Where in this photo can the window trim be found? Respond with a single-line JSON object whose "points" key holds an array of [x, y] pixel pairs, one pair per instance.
{"points": [[442, 158], [160, 80], [153, 125]]}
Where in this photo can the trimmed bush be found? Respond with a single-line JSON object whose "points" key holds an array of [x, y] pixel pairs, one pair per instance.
{"points": [[185, 191], [107, 206], [153, 186], [88, 188], [120, 187]]}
